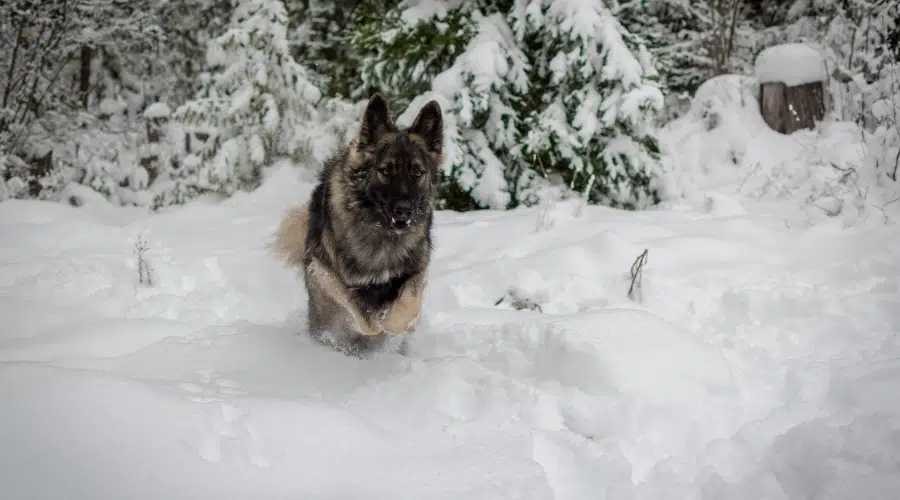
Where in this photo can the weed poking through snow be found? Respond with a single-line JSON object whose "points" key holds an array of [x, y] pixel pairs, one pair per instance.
{"points": [[635, 291], [545, 220], [145, 274]]}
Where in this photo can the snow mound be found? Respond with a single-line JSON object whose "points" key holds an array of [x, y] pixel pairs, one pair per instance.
{"points": [[722, 148], [157, 110], [711, 139], [792, 64]]}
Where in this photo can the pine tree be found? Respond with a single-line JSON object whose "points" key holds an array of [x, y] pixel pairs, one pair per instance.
{"points": [[188, 27], [532, 89], [483, 88], [254, 103], [592, 102], [677, 33], [319, 39], [404, 45]]}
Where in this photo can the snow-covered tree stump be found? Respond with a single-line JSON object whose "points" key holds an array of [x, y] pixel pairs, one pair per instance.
{"points": [[792, 84]]}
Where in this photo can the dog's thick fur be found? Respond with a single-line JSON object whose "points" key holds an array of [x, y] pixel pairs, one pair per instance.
{"points": [[363, 241]]}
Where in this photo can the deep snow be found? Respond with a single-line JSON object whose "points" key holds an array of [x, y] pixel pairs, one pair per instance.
{"points": [[762, 363]]}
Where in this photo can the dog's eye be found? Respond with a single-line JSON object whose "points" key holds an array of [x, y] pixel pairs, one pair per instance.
{"points": [[383, 170], [418, 171]]}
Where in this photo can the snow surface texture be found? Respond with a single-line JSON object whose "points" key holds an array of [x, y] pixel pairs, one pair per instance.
{"points": [[759, 362], [792, 64]]}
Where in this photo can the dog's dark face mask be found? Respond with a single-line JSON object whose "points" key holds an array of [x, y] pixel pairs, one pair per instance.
{"points": [[397, 169]]}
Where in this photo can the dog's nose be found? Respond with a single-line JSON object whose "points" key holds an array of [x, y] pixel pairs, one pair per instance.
{"points": [[403, 210]]}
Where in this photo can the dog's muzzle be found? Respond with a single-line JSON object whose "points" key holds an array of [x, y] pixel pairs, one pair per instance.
{"points": [[401, 215]]}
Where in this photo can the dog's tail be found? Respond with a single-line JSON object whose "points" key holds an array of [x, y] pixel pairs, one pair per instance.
{"points": [[290, 237]]}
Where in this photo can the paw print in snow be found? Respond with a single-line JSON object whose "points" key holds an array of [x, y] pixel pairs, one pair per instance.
{"points": [[224, 423]]}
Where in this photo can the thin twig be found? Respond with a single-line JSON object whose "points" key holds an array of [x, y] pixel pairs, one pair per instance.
{"points": [[637, 270]]}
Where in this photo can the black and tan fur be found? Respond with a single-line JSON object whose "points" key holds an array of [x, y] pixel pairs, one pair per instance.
{"points": [[364, 265]]}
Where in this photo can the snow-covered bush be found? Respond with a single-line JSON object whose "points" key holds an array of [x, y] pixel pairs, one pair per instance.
{"points": [[256, 104], [883, 145], [710, 141]]}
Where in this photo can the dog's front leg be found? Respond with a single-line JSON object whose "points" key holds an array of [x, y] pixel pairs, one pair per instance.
{"points": [[403, 313], [339, 293]]}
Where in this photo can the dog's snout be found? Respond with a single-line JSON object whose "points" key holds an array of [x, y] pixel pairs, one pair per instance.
{"points": [[402, 210]]}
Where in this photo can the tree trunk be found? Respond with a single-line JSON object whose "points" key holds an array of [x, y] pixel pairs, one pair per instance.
{"points": [[151, 161], [788, 109], [41, 168], [84, 85]]}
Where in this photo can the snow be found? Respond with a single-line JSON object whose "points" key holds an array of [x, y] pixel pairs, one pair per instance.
{"points": [[792, 64], [827, 175], [761, 360], [257, 103], [157, 110], [416, 11]]}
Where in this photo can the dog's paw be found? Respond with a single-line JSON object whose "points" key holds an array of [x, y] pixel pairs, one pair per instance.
{"points": [[413, 325], [368, 328], [401, 320]]}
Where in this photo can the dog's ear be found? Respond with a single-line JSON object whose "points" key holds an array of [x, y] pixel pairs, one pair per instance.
{"points": [[429, 125], [375, 123]]}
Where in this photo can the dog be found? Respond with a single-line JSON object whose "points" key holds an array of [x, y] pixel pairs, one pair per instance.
{"points": [[363, 241]]}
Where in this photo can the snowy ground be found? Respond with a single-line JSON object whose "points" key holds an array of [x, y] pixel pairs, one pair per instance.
{"points": [[763, 362]]}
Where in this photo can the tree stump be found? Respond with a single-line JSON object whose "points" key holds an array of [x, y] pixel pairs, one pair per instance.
{"points": [[787, 109], [792, 85]]}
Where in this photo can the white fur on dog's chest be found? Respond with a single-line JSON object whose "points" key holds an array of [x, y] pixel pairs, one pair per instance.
{"points": [[372, 279]]}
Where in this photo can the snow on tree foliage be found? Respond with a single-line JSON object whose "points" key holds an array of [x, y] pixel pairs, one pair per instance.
{"points": [[594, 98], [254, 104], [486, 81], [407, 44], [316, 34], [483, 84], [535, 89]]}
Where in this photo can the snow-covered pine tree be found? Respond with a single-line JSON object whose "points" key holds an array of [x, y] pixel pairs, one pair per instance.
{"points": [[318, 35], [255, 103], [405, 44], [593, 98], [676, 33], [486, 84], [188, 27], [483, 88], [531, 88]]}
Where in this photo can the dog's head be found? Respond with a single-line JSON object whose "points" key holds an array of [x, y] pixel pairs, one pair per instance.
{"points": [[392, 172]]}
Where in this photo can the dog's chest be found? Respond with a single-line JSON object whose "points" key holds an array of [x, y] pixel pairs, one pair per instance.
{"points": [[377, 267]]}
